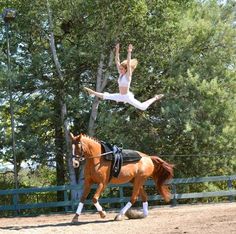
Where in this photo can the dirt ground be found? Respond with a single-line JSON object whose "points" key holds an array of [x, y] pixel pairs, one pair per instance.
{"points": [[197, 219]]}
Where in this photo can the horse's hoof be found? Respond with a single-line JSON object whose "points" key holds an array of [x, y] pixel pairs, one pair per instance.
{"points": [[118, 217], [102, 214], [75, 219]]}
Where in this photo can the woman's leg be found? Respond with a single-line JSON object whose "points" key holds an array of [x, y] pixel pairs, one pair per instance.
{"points": [[107, 96], [115, 97], [125, 98], [144, 105], [92, 92]]}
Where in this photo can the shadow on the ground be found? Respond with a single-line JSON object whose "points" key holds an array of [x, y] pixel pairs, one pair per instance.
{"points": [[18, 227]]}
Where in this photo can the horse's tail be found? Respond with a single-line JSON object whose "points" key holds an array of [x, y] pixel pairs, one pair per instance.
{"points": [[163, 171]]}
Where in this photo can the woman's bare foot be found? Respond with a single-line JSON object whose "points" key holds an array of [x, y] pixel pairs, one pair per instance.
{"points": [[158, 97], [90, 91], [94, 93]]}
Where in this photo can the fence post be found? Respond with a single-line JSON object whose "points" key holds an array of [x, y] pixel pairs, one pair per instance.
{"points": [[15, 203], [121, 195], [73, 199], [174, 200], [66, 199], [230, 186]]}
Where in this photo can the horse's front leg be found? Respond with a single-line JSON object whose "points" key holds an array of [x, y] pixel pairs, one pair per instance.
{"points": [[96, 196], [87, 188]]}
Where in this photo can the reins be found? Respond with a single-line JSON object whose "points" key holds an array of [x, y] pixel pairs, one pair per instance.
{"points": [[98, 156], [82, 157]]}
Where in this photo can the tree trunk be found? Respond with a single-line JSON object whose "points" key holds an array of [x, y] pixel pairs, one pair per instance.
{"points": [[100, 85], [63, 108], [60, 167]]}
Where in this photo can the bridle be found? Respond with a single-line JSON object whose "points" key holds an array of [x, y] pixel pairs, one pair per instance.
{"points": [[77, 157]]}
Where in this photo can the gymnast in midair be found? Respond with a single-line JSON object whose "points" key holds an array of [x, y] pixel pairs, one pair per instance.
{"points": [[125, 70]]}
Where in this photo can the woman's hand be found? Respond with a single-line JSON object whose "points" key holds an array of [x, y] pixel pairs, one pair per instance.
{"points": [[117, 48], [130, 48]]}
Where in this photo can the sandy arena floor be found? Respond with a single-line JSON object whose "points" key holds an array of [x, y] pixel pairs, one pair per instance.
{"points": [[197, 219]]}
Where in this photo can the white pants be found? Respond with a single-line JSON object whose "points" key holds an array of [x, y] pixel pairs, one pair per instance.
{"points": [[129, 98]]}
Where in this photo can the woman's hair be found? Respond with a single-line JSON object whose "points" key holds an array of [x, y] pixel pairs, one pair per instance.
{"points": [[133, 63]]}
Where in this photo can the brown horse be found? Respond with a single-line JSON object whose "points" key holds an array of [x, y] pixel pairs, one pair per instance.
{"points": [[97, 171]]}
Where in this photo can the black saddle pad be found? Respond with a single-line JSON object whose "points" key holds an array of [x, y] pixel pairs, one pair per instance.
{"points": [[118, 156], [127, 154], [130, 155]]}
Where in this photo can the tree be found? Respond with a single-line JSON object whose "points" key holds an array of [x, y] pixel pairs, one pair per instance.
{"points": [[185, 50]]}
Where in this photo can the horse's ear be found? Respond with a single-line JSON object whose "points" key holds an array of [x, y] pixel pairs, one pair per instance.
{"points": [[80, 136]]}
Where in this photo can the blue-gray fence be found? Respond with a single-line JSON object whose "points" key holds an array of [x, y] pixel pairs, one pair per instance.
{"points": [[68, 204]]}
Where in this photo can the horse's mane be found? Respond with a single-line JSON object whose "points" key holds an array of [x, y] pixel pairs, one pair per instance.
{"points": [[91, 138]]}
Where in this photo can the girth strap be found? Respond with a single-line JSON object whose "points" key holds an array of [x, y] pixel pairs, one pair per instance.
{"points": [[118, 156], [115, 157], [117, 161]]}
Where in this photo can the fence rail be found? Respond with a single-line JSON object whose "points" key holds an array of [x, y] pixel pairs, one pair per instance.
{"points": [[69, 204]]}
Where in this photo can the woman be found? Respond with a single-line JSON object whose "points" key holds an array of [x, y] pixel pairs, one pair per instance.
{"points": [[125, 70]]}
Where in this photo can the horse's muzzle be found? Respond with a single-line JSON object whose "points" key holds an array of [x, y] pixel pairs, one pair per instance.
{"points": [[76, 161]]}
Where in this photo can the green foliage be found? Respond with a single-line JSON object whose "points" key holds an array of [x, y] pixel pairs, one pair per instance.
{"points": [[30, 178], [34, 177], [185, 50]]}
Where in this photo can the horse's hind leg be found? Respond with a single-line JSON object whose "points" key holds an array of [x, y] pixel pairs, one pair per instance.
{"points": [[96, 196], [144, 197], [138, 183]]}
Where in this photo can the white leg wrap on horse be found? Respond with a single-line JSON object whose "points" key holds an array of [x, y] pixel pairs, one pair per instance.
{"points": [[98, 206], [127, 206], [80, 207], [145, 208]]}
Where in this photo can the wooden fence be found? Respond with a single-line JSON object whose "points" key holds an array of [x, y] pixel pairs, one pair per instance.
{"points": [[67, 204]]}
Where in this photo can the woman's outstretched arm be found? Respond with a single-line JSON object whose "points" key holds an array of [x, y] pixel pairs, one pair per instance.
{"points": [[117, 57], [129, 69]]}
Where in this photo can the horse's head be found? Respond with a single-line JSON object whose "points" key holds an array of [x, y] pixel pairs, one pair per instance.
{"points": [[77, 150]]}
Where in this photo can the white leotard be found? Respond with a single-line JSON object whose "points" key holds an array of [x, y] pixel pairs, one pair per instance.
{"points": [[124, 81]]}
